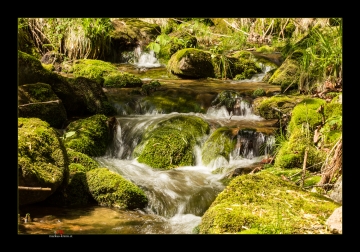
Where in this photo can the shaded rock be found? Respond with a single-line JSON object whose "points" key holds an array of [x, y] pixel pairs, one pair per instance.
{"points": [[39, 100], [191, 63], [42, 160], [79, 96]]}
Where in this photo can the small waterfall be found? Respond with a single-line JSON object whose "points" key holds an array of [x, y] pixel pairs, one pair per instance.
{"points": [[259, 76], [252, 144], [145, 59], [180, 195]]}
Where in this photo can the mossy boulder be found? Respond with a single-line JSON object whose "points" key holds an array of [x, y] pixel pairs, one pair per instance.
{"points": [[267, 107], [92, 135], [42, 159], [169, 143], [288, 74], [111, 189], [79, 96], [263, 203], [220, 144], [191, 63], [104, 73], [31, 98], [126, 35], [240, 65], [75, 192]]}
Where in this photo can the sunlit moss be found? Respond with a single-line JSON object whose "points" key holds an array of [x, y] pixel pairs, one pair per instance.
{"points": [[263, 203], [111, 189]]}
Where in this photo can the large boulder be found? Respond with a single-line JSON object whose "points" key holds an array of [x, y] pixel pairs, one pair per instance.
{"points": [[128, 33], [80, 96], [264, 203], [170, 143], [74, 192], [39, 100], [288, 74], [111, 189], [42, 160], [191, 63]]}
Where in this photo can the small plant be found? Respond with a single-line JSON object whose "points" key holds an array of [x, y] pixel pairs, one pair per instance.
{"points": [[259, 92]]}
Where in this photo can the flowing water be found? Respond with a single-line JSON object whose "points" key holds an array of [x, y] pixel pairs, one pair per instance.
{"points": [[178, 197]]}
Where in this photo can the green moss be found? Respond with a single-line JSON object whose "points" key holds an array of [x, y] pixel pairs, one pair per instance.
{"points": [[263, 203], [200, 63], [42, 158], [33, 96], [219, 144], [111, 189], [259, 92], [265, 49], [104, 73], [92, 135], [287, 75], [81, 161], [291, 153], [264, 106], [306, 112], [170, 143]]}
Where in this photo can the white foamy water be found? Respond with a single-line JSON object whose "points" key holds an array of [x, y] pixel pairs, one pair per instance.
{"points": [[146, 59]]}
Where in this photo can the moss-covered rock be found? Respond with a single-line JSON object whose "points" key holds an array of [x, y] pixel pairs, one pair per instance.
{"points": [[264, 106], [111, 189], [42, 159], [80, 97], [191, 63], [75, 191], [288, 74], [104, 73], [170, 143], [91, 136], [220, 144], [31, 100], [263, 203], [178, 40], [82, 161]]}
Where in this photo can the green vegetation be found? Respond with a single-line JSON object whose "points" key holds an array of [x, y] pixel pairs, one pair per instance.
{"points": [[111, 189], [42, 158], [170, 143], [92, 135], [104, 73], [263, 203]]}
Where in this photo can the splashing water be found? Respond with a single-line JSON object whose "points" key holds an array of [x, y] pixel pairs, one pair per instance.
{"points": [[145, 59]]}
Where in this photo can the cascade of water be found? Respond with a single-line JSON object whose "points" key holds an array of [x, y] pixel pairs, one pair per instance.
{"points": [[145, 59]]}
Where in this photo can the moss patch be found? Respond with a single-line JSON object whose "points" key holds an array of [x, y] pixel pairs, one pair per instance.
{"points": [[42, 159], [104, 73], [91, 135], [263, 203], [111, 189], [170, 143]]}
